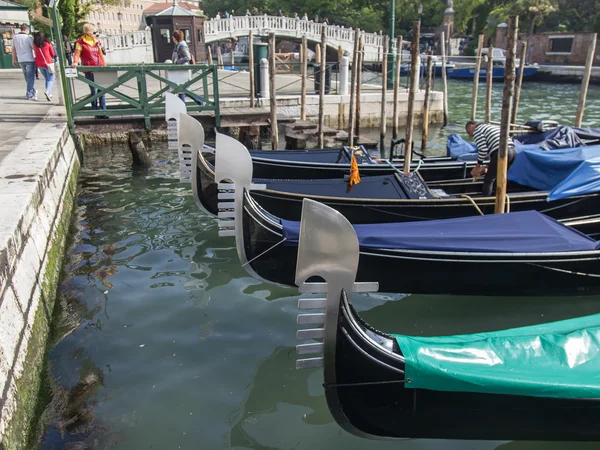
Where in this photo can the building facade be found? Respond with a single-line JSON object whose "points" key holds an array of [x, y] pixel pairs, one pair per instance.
{"points": [[117, 19]]}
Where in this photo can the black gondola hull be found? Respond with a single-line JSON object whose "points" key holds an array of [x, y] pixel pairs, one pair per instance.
{"points": [[431, 272], [392, 410]]}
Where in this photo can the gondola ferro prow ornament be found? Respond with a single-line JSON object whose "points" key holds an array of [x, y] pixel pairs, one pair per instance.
{"points": [[174, 108], [191, 133], [233, 174]]}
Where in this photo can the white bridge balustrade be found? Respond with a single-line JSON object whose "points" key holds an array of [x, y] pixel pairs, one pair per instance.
{"points": [[219, 29], [128, 48]]}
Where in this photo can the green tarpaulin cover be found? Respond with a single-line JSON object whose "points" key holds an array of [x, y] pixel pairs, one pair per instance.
{"points": [[558, 359]]}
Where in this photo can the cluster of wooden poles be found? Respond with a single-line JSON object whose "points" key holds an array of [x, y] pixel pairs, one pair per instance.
{"points": [[510, 97], [355, 87]]}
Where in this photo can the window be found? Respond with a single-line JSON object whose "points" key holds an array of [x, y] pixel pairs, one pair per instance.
{"points": [[186, 34], [561, 45], [200, 36], [165, 35]]}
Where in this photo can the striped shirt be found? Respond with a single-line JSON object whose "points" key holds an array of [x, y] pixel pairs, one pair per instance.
{"points": [[487, 139]]}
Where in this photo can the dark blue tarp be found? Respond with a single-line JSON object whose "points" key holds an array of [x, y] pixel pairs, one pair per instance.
{"points": [[560, 137], [518, 232], [457, 146], [384, 187], [336, 155], [564, 173]]}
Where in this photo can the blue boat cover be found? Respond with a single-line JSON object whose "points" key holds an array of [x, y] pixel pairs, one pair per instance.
{"points": [[560, 137], [564, 173], [380, 187], [457, 146], [518, 232], [332, 156]]}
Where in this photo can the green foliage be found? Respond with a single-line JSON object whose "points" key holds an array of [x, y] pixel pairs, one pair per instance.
{"points": [[67, 10]]}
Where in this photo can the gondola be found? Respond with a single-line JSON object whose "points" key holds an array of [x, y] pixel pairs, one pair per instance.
{"points": [[537, 254], [537, 382], [397, 197]]}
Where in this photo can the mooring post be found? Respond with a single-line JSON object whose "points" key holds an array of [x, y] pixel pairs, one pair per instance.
{"points": [[428, 86], [383, 116], [251, 68], [585, 81], [488, 85], [412, 93], [344, 68], [209, 53], [322, 85], [476, 78], [351, 112], [444, 76], [264, 78], [358, 84], [396, 89], [507, 99], [515, 110], [219, 57], [273, 92], [304, 70]]}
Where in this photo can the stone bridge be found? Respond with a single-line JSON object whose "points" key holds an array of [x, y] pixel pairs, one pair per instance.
{"points": [[289, 27]]}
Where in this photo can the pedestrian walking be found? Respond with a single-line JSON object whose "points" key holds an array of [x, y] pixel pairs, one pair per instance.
{"points": [[22, 56], [68, 49], [44, 60], [89, 51], [181, 55]]}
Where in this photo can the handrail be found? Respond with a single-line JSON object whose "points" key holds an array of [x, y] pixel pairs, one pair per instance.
{"points": [[225, 28]]}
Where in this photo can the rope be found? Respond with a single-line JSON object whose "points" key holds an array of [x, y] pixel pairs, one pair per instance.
{"points": [[366, 383], [261, 254], [571, 272], [468, 197]]}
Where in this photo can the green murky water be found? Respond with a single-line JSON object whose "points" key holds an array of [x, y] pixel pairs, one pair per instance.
{"points": [[171, 345]]}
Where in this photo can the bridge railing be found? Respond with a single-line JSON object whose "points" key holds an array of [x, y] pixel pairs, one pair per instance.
{"points": [[337, 35]]}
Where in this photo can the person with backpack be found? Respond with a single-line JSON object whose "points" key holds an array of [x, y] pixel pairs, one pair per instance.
{"points": [[44, 60], [89, 51], [68, 49]]}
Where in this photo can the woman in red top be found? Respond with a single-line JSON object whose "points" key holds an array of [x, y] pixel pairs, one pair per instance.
{"points": [[44, 57]]}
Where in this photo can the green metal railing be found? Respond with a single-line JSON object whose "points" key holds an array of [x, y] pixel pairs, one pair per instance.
{"points": [[144, 101], [136, 100]]}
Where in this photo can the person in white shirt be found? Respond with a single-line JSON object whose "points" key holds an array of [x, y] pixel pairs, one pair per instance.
{"points": [[23, 56]]}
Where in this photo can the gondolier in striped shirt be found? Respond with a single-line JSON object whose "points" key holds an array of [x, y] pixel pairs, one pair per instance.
{"points": [[487, 139]]}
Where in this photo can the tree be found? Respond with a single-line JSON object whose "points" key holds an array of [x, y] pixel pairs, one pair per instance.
{"points": [[530, 11]]}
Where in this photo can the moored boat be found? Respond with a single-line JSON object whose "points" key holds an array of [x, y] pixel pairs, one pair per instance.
{"points": [[537, 382]]}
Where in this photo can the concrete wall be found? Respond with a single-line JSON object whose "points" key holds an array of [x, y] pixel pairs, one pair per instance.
{"points": [[539, 49], [37, 190], [337, 107]]}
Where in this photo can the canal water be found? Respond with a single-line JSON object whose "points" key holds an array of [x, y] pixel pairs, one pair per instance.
{"points": [[164, 341]]}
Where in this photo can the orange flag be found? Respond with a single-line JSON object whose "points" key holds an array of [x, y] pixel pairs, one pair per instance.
{"points": [[354, 175]]}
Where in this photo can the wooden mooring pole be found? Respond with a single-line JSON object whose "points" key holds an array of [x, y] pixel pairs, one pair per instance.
{"points": [[322, 85], [209, 53], [410, 120], [251, 68], [359, 83], [488, 85], [352, 112], [428, 85], [444, 76], [383, 116], [396, 89], [219, 57], [585, 82], [304, 75], [507, 99], [273, 91], [476, 78], [517, 98]]}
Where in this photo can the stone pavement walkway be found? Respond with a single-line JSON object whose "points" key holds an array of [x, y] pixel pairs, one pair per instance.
{"points": [[17, 114]]}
